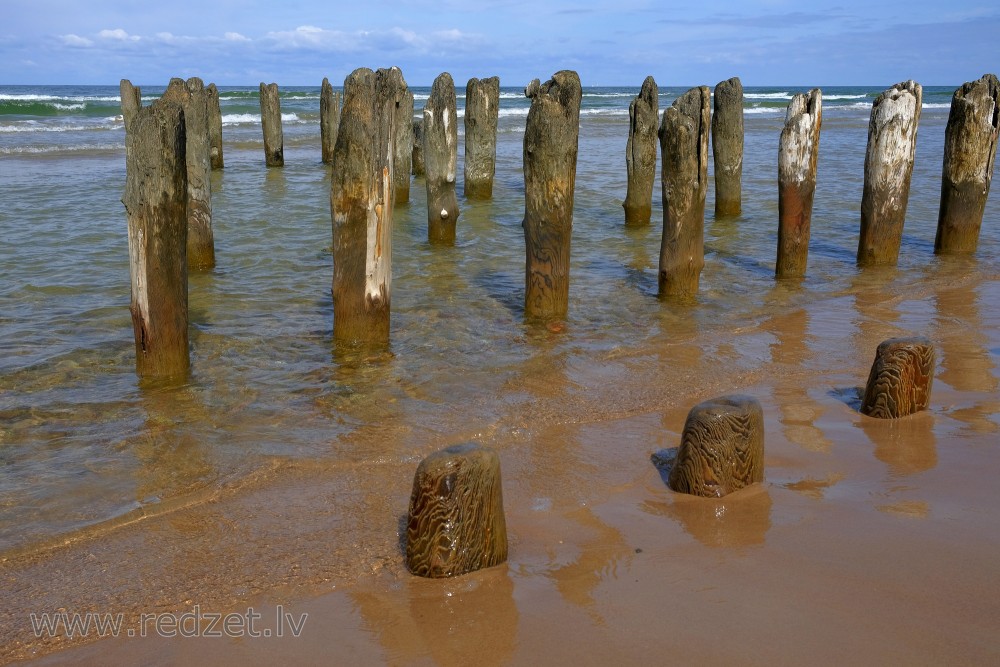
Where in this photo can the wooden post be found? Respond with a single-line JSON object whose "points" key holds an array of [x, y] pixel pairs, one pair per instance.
{"points": [[270, 120], [482, 114], [440, 140], [200, 239], [329, 120], [640, 153], [970, 149], [361, 206], [892, 141], [900, 380], [727, 147], [798, 151], [418, 147], [155, 201], [684, 147], [215, 127], [131, 101], [551, 140], [403, 150]]}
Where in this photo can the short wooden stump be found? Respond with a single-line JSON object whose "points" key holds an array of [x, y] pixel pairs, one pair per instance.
{"points": [[900, 380]]}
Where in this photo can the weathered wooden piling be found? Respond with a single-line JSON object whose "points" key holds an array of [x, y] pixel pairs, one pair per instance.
{"points": [[640, 153], [403, 150], [361, 206], [899, 383], [329, 120], [551, 139], [892, 141], [727, 147], [155, 200], [131, 101], [440, 147], [482, 114], [456, 521], [193, 99], [270, 121], [798, 152], [722, 447], [215, 127], [970, 149], [418, 147], [684, 147]]}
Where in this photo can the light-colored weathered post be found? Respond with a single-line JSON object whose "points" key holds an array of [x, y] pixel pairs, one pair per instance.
{"points": [[551, 141], [270, 121], [155, 200], [970, 149], [418, 147], [440, 144], [404, 147], [361, 207], [798, 152], [329, 120], [215, 127], [727, 147], [131, 101], [640, 153], [684, 147], [482, 114], [892, 141]]}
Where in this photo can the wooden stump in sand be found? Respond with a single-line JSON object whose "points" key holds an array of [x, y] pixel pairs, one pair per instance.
{"points": [[640, 153], [214, 127], [892, 141], [798, 151], [404, 147], [418, 147], [329, 120], [727, 147], [155, 200], [900, 380], [270, 121], [482, 113], [684, 147], [551, 139], [440, 147], [722, 447], [131, 101], [970, 149], [456, 521]]}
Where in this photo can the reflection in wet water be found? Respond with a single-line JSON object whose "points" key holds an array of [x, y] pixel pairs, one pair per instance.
{"points": [[907, 445]]}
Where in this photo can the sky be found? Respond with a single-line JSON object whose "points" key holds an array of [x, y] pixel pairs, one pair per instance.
{"points": [[613, 42]]}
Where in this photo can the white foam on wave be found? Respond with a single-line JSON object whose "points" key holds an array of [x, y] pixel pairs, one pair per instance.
{"points": [[764, 110], [254, 118], [34, 127], [73, 148], [767, 96], [844, 97]]}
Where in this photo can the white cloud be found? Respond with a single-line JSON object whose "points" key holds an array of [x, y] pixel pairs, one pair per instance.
{"points": [[119, 35], [76, 40], [236, 37]]}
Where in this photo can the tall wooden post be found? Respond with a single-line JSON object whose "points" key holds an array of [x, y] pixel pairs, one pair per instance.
{"points": [[441, 159], [270, 121], [727, 147], [361, 206], [131, 101], [640, 153], [892, 141], [551, 140], [970, 149], [155, 200], [329, 120], [215, 127], [684, 147], [798, 152], [482, 114], [418, 147], [404, 147]]}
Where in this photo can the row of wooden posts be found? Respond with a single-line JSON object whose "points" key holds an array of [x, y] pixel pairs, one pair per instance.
{"points": [[374, 144]]}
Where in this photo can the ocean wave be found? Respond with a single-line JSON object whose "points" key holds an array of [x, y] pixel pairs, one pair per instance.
{"points": [[254, 118], [844, 97], [603, 112], [767, 96], [71, 148], [936, 105], [764, 110]]}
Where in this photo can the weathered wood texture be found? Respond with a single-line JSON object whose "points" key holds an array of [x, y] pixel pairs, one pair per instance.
{"points": [[970, 149], [418, 147], [640, 153], [155, 201], [551, 139], [899, 383], [270, 121], [361, 206], [215, 127], [456, 521], [684, 147], [482, 114], [440, 147], [403, 154], [131, 101], [798, 152], [329, 120], [722, 447], [192, 97], [727, 147], [892, 141]]}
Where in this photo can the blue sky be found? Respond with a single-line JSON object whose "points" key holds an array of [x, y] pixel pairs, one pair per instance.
{"points": [[619, 42]]}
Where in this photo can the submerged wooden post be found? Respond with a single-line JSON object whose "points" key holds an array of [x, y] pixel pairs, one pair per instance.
{"points": [[727, 147], [798, 152], [899, 383], [270, 121], [892, 141], [418, 147], [456, 521], [329, 120], [640, 153], [361, 206], [155, 200], [684, 147], [131, 101], [722, 447], [551, 139], [440, 139], [403, 150], [215, 127], [482, 113], [970, 149]]}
